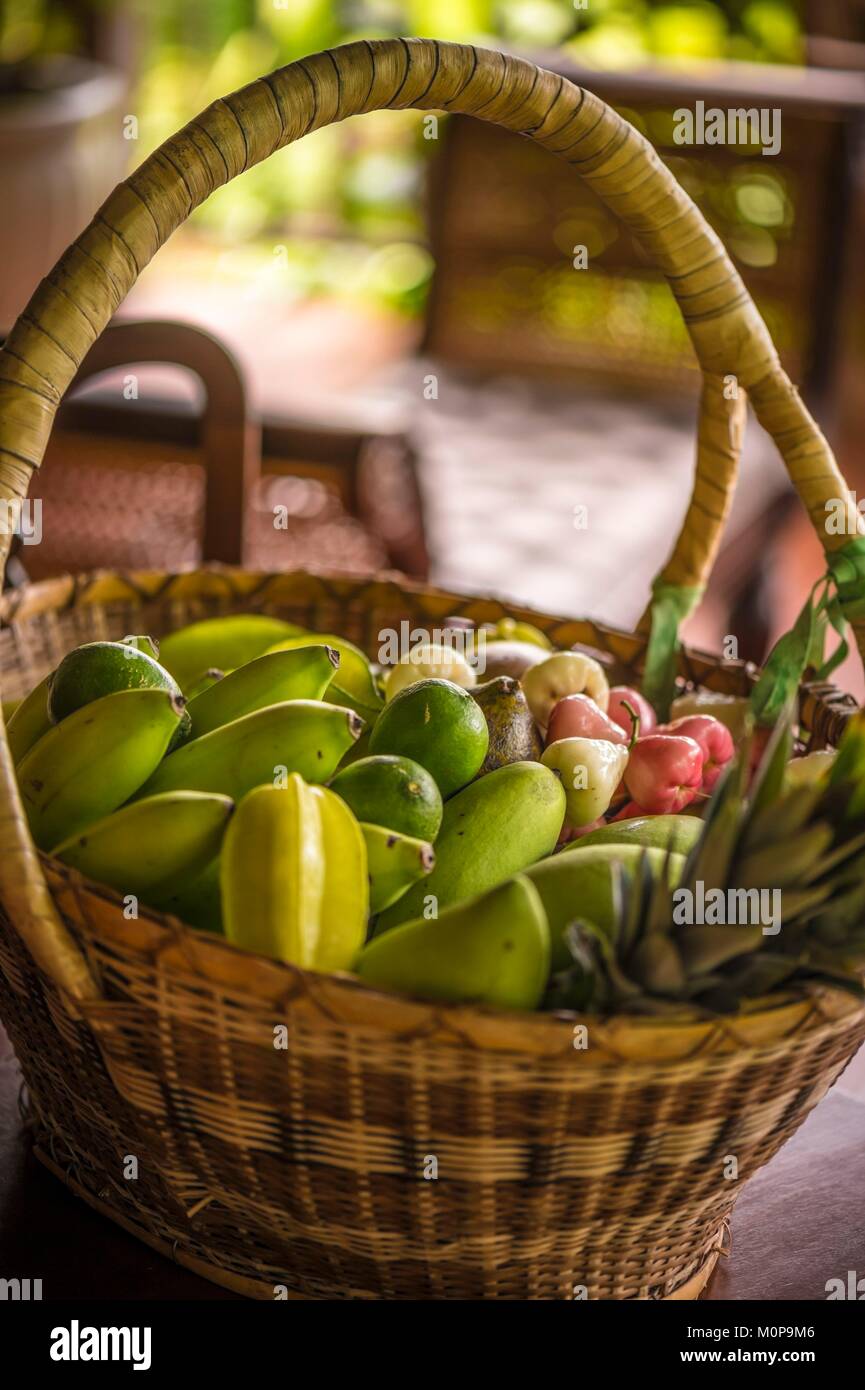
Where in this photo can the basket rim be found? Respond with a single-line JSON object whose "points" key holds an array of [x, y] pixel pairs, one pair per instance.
{"points": [[213, 581], [620, 1037], [341, 998]]}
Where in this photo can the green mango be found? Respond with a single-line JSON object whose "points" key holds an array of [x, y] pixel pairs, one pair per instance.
{"points": [[494, 949], [580, 885], [492, 829], [676, 833]]}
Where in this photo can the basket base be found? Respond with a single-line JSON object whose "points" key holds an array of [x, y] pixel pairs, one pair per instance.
{"points": [[253, 1288]]}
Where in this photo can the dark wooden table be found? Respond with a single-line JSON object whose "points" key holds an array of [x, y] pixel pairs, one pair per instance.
{"points": [[799, 1222]]}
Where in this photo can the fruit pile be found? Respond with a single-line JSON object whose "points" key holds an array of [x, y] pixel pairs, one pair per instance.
{"points": [[533, 840]]}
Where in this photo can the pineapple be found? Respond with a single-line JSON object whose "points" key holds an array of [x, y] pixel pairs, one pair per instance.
{"points": [[709, 941]]}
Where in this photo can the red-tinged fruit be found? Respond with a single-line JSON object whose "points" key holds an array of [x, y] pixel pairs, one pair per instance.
{"points": [[629, 811], [577, 716], [664, 772], [714, 738], [590, 770], [621, 695], [570, 834]]}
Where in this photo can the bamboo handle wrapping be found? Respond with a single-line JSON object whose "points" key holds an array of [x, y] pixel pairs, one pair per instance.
{"points": [[76, 300]]}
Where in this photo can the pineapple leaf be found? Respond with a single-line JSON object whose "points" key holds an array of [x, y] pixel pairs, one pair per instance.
{"points": [[790, 814], [769, 777], [838, 858], [627, 906], [803, 902], [785, 864], [704, 948], [849, 766], [657, 965], [802, 841], [711, 857], [761, 973]]}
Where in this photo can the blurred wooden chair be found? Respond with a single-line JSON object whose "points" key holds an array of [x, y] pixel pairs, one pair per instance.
{"points": [[509, 218], [508, 299], [134, 480]]}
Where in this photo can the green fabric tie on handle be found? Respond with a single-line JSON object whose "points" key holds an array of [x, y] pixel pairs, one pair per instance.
{"points": [[842, 597], [847, 568], [671, 605]]}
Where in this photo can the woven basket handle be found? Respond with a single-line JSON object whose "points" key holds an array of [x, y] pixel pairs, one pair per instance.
{"points": [[74, 303], [735, 352]]}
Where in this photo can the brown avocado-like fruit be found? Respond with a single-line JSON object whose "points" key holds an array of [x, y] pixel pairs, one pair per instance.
{"points": [[514, 737]]}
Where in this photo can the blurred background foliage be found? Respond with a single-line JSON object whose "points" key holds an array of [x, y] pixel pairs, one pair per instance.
{"points": [[348, 199]]}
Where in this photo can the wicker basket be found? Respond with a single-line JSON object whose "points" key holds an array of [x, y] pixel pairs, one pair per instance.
{"points": [[307, 1167]]}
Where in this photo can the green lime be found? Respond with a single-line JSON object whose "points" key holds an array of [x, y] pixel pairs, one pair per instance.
{"points": [[103, 668], [393, 792], [440, 726]]}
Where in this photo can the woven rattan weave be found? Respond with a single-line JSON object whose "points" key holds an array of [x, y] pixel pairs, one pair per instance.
{"points": [[305, 1167]]}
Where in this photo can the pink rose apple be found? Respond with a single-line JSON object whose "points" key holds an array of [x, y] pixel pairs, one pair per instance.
{"points": [[577, 716], [622, 694], [714, 738], [664, 772]]}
